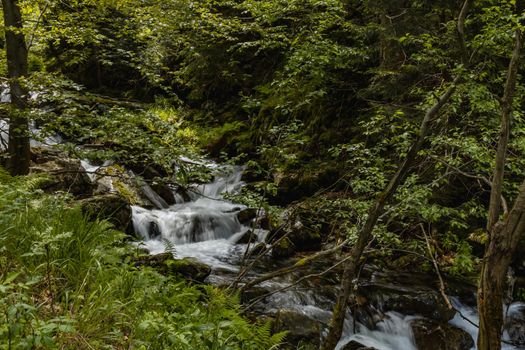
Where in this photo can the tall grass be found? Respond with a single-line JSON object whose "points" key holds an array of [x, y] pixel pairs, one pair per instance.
{"points": [[68, 283]]}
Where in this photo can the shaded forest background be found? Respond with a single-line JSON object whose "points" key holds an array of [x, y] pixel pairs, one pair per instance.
{"points": [[322, 101]]}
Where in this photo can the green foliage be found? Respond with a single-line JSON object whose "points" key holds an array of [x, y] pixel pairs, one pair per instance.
{"points": [[68, 282]]}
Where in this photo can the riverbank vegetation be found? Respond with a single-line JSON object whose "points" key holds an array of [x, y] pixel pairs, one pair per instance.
{"points": [[391, 130], [68, 282]]}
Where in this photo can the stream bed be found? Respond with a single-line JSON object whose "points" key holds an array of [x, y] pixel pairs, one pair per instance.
{"points": [[204, 226]]}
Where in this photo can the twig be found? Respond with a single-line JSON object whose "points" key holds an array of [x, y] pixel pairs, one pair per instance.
{"points": [[283, 289], [299, 264], [436, 267]]}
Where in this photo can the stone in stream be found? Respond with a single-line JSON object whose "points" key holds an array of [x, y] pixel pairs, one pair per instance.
{"points": [[252, 294], [257, 249], [302, 330], [430, 335], [154, 230], [166, 264], [112, 207], [164, 191], [247, 237], [245, 216], [354, 345], [408, 300]]}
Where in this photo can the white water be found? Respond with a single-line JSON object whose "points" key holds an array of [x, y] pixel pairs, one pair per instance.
{"points": [[38, 138], [471, 314], [207, 228]]}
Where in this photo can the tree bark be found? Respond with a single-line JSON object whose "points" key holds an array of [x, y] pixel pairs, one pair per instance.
{"points": [[365, 233], [461, 31], [16, 50], [504, 234]]}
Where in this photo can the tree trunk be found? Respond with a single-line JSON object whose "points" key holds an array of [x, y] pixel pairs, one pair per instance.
{"points": [[503, 235], [390, 50], [16, 50], [365, 233]]}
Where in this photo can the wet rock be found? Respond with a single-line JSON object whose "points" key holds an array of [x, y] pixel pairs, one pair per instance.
{"points": [[245, 216], [430, 335], [182, 194], [112, 207], [301, 329], [247, 237], [166, 264], [515, 325], [154, 230], [263, 222], [408, 300], [305, 239], [164, 191], [258, 249], [253, 293], [283, 249], [64, 174], [354, 345]]}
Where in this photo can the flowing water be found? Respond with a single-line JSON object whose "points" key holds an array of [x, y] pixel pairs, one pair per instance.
{"points": [[205, 226]]}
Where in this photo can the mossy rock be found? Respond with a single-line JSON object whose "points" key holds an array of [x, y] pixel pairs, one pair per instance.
{"points": [[283, 249], [188, 268], [303, 332], [112, 207]]}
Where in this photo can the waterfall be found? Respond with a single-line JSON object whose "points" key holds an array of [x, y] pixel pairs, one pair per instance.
{"points": [[206, 227]]}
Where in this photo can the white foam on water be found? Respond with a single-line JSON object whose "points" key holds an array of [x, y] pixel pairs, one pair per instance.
{"points": [[470, 325]]}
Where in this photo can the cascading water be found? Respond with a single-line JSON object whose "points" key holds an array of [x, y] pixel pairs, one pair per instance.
{"points": [[204, 226]]}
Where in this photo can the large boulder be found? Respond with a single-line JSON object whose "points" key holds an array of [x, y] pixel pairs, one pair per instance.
{"points": [[301, 329], [166, 264], [112, 207], [64, 175], [430, 335]]}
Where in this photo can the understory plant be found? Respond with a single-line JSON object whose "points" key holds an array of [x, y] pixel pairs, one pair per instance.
{"points": [[70, 283]]}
